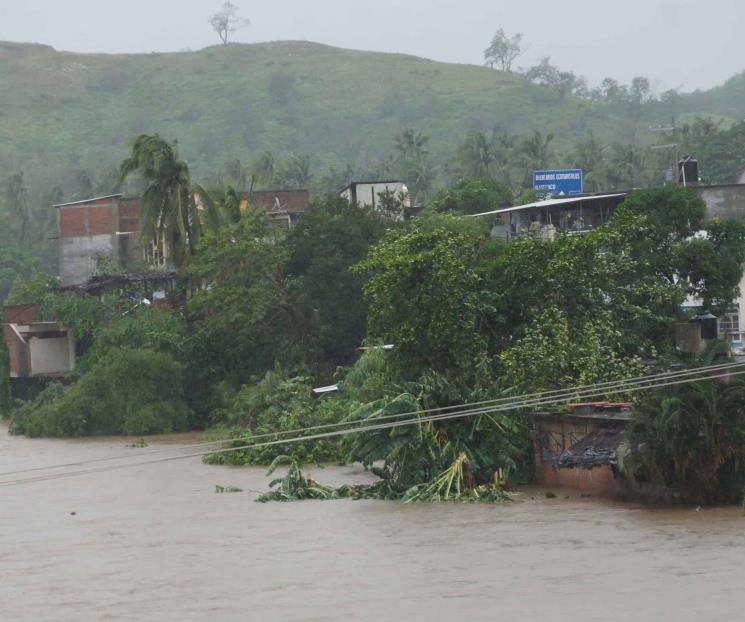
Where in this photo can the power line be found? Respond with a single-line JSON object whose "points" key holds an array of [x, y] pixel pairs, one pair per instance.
{"points": [[367, 428], [577, 392]]}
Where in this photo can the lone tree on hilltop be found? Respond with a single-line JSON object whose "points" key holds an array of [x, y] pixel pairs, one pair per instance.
{"points": [[503, 50], [227, 20]]}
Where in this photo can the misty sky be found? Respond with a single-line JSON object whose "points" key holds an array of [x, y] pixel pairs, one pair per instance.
{"points": [[679, 44]]}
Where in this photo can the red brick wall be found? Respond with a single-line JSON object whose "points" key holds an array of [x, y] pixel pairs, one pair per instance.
{"points": [[19, 314], [293, 201], [560, 435], [129, 215], [72, 222], [95, 217], [19, 355], [101, 220], [599, 480]]}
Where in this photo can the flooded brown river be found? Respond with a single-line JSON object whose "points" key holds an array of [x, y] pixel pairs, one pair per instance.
{"points": [[156, 543]]}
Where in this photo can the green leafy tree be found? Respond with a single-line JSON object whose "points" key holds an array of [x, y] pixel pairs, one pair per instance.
{"points": [[332, 236], [680, 245], [295, 171], [588, 155], [423, 295], [226, 21], [503, 50], [718, 150], [413, 162], [242, 318], [16, 265], [472, 196], [125, 392], [476, 156], [535, 153], [15, 197], [625, 166], [692, 438], [33, 290], [562, 82]]}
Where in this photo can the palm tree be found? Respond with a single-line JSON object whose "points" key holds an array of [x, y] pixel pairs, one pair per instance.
{"points": [[227, 202], [16, 200], [536, 153], [588, 155], [411, 143], [476, 156], [693, 436], [625, 165], [169, 209]]}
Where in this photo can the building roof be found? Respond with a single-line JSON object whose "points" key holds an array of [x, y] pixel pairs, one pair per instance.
{"points": [[92, 200], [552, 203], [284, 201], [377, 181], [328, 389]]}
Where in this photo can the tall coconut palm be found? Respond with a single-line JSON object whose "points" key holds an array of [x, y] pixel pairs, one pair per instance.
{"points": [[169, 205]]}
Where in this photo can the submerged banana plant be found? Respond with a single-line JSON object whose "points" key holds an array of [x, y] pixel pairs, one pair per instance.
{"points": [[294, 486]]}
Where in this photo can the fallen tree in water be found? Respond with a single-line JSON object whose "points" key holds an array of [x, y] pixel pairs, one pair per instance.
{"points": [[294, 486], [450, 485]]}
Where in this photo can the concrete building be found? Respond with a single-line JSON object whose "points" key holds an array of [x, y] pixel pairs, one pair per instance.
{"points": [[728, 201], [580, 214], [281, 206], [99, 228], [37, 349], [369, 193], [570, 215]]}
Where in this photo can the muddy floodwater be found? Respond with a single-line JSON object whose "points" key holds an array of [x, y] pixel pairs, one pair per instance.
{"points": [[157, 543]]}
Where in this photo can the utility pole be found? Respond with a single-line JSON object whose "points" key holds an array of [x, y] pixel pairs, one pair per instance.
{"points": [[672, 146]]}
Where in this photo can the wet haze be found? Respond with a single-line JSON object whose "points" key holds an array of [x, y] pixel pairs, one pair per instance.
{"points": [[686, 44]]}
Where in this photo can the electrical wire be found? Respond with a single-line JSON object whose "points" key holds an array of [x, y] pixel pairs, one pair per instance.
{"points": [[367, 428], [521, 401]]}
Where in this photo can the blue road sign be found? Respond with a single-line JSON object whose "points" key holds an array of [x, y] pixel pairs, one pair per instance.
{"points": [[567, 181]]}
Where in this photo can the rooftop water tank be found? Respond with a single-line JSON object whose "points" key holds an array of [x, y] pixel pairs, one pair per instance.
{"points": [[709, 325], [688, 170]]}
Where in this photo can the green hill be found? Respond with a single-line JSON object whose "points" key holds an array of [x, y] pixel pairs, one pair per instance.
{"points": [[61, 111]]}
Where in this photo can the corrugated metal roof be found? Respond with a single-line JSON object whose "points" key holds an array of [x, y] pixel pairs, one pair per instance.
{"points": [[329, 389], [552, 202]]}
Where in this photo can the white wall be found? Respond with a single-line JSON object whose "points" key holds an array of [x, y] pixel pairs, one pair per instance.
{"points": [[51, 355], [78, 256]]}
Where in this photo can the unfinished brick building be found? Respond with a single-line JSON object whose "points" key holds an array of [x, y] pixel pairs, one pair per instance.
{"points": [[100, 228]]}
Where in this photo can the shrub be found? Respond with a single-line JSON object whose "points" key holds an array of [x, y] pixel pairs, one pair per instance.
{"points": [[277, 404], [125, 392]]}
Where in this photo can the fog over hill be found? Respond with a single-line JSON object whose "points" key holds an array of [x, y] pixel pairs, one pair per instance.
{"points": [[685, 44]]}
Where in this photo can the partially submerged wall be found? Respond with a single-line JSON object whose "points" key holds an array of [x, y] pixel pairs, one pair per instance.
{"points": [[556, 433]]}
